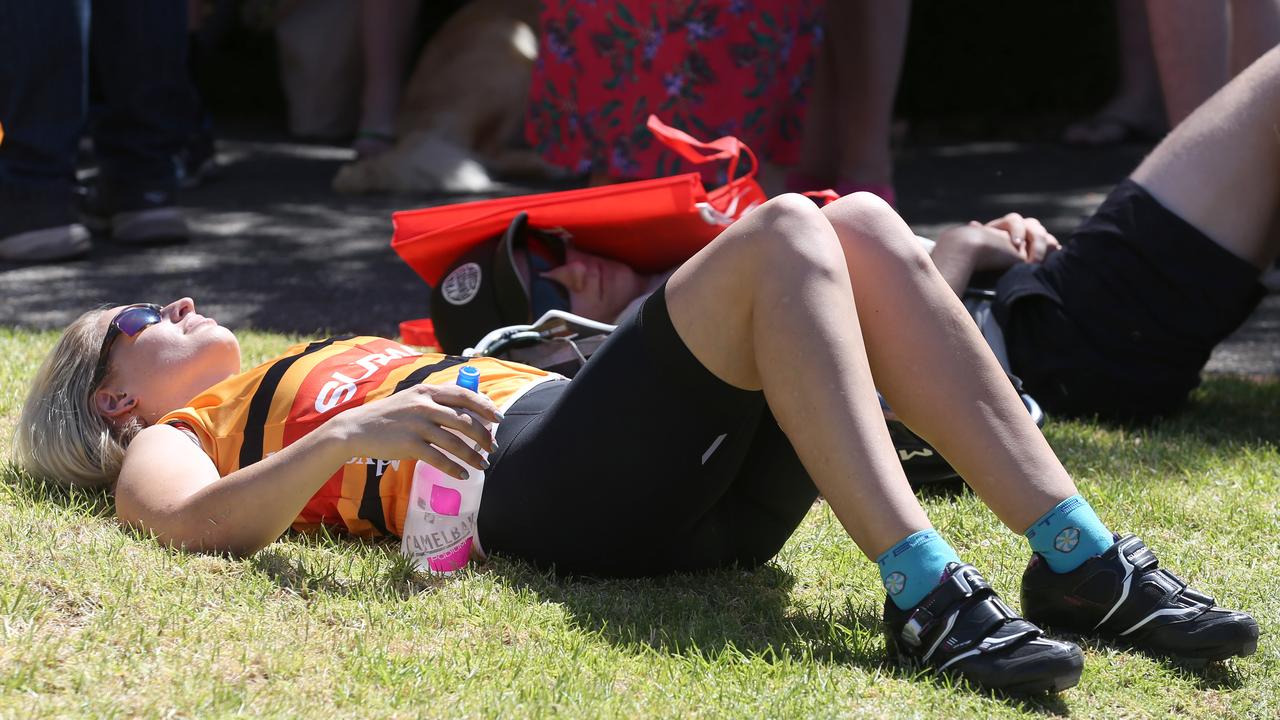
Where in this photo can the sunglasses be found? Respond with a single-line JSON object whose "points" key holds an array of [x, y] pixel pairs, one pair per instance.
{"points": [[130, 321], [544, 293]]}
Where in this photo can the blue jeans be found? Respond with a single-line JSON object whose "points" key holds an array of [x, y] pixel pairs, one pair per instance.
{"points": [[137, 52]]}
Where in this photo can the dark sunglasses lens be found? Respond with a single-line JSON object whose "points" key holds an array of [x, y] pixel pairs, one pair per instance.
{"points": [[546, 294], [134, 320]]}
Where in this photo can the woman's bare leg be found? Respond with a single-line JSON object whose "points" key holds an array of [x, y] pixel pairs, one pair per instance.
{"points": [[1220, 169], [768, 305], [932, 365]]}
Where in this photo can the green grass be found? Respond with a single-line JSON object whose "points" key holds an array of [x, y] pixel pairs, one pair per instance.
{"points": [[101, 622]]}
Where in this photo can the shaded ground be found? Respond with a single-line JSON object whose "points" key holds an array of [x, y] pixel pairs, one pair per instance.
{"points": [[276, 249]]}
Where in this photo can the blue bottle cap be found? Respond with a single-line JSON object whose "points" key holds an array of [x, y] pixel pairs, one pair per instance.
{"points": [[469, 378]]}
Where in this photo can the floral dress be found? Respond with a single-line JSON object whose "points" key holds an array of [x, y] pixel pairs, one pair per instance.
{"points": [[708, 67]]}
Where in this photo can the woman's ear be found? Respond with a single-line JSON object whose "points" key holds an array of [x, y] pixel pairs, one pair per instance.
{"points": [[113, 403]]}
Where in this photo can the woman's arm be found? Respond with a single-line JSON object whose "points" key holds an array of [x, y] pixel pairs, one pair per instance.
{"points": [[170, 487], [1000, 244]]}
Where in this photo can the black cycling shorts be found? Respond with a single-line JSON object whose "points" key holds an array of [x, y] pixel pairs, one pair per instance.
{"points": [[644, 464], [1120, 322]]}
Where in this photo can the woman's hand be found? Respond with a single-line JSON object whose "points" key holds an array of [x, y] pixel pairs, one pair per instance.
{"points": [[1027, 235], [985, 247], [412, 424], [998, 245]]}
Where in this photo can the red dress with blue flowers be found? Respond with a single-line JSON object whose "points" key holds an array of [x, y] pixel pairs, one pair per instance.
{"points": [[708, 67]]}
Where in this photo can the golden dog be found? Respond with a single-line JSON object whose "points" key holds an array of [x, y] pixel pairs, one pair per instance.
{"points": [[463, 109]]}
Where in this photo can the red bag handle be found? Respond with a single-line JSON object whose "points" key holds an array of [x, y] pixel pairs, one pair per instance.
{"points": [[688, 147]]}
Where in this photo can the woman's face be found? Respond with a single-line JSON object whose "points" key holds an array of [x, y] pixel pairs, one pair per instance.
{"points": [[599, 288], [165, 365]]}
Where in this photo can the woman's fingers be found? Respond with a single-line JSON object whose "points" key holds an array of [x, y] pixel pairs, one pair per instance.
{"points": [[1042, 241], [1015, 225], [441, 462], [456, 446], [466, 423]]}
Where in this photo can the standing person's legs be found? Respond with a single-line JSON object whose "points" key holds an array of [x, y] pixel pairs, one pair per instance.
{"points": [[1191, 42], [849, 119], [387, 27], [1220, 169], [43, 50], [1136, 108], [1255, 29], [139, 53], [868, 66]]}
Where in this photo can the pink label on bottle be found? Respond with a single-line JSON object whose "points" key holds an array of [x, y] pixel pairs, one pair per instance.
{"points": [[445, 501], [451, 560]]}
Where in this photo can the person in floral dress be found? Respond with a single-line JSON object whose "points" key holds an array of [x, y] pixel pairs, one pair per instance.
{"points": [[708, 67]]}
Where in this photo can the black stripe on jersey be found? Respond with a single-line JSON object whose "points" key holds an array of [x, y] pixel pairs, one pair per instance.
{"points": [[371, 500], [256, 421]]}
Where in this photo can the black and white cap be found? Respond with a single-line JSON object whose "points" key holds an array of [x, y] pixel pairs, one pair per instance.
{"points": [[483, 290]]}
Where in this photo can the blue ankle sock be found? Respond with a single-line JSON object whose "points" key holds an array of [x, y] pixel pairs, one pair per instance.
{"points": [[1069, 534], [914, 566]]}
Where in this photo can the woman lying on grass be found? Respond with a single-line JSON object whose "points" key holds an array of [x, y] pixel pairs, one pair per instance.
{"points": [[698, 437]]}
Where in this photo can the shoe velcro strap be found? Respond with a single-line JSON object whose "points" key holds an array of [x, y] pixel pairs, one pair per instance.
{"points": [[963, 593], [1138, 554], [963, 582], [1197, 596], [977, 622]]}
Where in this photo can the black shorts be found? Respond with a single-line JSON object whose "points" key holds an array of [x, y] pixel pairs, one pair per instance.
{"points": [[644, 464], [1120, 322]]}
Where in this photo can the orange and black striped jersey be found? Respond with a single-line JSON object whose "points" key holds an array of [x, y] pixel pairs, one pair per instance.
{"points": [[249, 416]]}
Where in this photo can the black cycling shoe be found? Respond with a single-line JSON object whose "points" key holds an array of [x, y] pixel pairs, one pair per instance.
{"points": [[1123, 594], [963, 628]]}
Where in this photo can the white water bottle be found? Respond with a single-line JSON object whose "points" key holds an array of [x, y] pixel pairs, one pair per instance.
{"points": [[440, 528]]}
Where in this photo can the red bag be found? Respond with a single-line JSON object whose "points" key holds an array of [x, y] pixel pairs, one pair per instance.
{"points": [[652, 225]]}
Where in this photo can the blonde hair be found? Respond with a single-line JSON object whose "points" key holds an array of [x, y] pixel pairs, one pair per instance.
{"points": [[61, 437]]}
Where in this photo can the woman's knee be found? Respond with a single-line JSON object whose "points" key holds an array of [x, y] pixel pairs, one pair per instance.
{"points": [[793, 232], [870, 230]]}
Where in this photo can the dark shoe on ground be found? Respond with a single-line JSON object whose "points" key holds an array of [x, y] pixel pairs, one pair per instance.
{"points": [[61, 242], [38, 226], [135, 216], [1124, 595], [962, 628]]}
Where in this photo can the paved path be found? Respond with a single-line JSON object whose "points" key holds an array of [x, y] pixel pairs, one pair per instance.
{"points": [[276, 249]]}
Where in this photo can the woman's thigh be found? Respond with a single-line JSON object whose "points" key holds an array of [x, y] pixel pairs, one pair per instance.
{"points": [[628, 469]]}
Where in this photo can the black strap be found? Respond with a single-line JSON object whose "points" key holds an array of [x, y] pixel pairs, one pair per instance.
{"points": [[371, 499], [260, 405]]}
